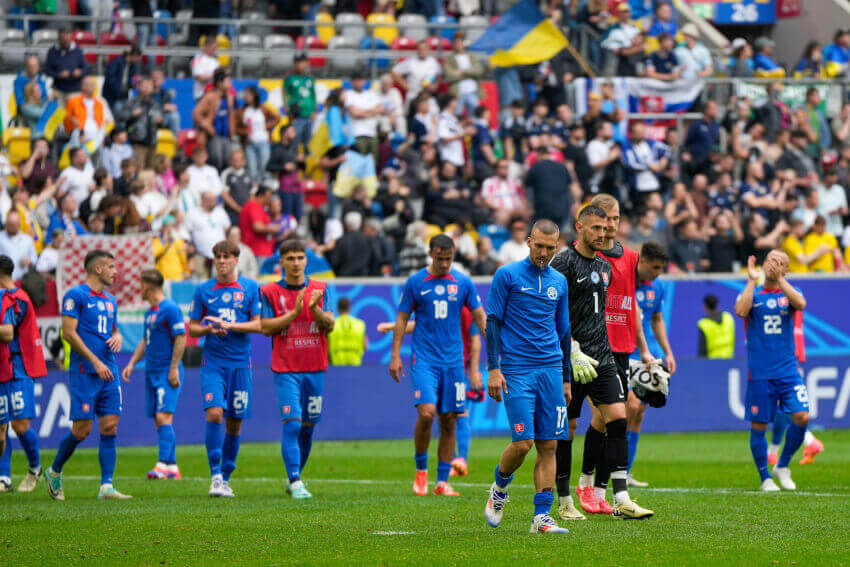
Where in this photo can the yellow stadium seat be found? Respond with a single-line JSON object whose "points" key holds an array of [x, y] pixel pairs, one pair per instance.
{"points": [[223, 44], [325, 27], [433, 230], [281, 124], [17, 144], [166, 142], [387, 34]]}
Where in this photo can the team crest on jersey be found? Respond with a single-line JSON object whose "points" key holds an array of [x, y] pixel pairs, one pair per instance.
{"points": [[439, 290], [153, 318], [208, 396], [594, 277], [650, 295], [452, 289], [639, 295], [519, 428], [110, 307], [783, 301], [552, 293], [238, 296], [100, 306], [771, 303], [69, 304], [226, 297]]}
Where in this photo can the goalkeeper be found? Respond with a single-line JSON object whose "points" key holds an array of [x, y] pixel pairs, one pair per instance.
{"points": [[594, 372]]}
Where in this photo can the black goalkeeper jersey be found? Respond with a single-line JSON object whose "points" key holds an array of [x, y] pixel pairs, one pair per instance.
{"points": [[587, 282]]}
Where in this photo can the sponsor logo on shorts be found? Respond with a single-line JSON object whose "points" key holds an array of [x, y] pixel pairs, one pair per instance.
{"points": [[417, 394], [208, 396], [519, 428], [86, 408]]}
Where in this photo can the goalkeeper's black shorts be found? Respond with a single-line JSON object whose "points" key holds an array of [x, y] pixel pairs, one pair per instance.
{"points": [[606, 388]]}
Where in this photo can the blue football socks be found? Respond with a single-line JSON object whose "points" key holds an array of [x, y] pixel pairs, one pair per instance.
{"points": [[758, 446], [443, 470], [29, 441], [229, 452], [107, 456], [64, 452], [502, 481], [463, 433], [213, 441], [421, 460], [166, 441], [543, 502], [793, 440], [781, 421], [305, 443], [6, 459], [290, 450], [633, 437]]}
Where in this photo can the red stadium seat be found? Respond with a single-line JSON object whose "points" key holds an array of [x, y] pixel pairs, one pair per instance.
{"points": [[404, 44], [312, 42], [437, 43], [160, 59], [315, 193], [83, 38], [118, 39], [186, 141]]}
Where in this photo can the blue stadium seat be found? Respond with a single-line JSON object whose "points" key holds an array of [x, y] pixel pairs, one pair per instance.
{"points": [[497, 234], [447, 33], [163, 30], [367, 43]]}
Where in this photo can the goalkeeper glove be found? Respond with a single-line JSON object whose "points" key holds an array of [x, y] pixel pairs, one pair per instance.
{"points": [[584, 370]]}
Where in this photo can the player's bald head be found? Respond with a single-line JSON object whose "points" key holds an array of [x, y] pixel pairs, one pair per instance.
{"points": [[545, 227]]}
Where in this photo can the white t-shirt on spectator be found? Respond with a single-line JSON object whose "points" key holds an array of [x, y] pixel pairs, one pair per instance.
{"points": [[466, 86], [206, 228], [255, 121], [364, 100], [507, 194], [621, 36], [392, 101], [18, 247], [202, 65], [830, 199], [47, 260], [148, 204], [512, 251], [597, 151], [448, 126], [204, 178], [90, 129], [418, 72], [77, 182], [692, 60], [188, 199]]}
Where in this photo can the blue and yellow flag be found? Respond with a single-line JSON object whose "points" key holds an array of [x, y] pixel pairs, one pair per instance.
{"points": [[521, 36]]}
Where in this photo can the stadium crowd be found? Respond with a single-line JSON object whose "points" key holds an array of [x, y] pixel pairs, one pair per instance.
{"points": [[416, 154]]}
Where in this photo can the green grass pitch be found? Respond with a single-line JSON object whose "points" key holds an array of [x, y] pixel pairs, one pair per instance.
{"points": [[364, 512]]}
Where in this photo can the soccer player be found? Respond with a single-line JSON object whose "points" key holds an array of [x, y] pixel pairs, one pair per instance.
{"points": [[294, 315], [436, 295], [768, 313], [17, 387], [89, 324], [528, 322], [650, 300], [162, 350], [225, 309], [588, 277]]}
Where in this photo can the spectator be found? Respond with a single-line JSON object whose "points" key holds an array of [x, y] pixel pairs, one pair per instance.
{"points": [[203, 177], [215, 117], [593, 14], [837, 54], [688, 251], [187, 197], [86, 115], [413, 74], [798, 259], [115, 151], [103, 185], [206, 225], [603, 155], [256, 225], [483, 153], [171, 252], [365, 108], [299, 93], [118, 80], [702, 139], [17, 245], [393, 121], [78, 178], [66, 65], [165, 99], [693, 55], [625, 41], [355, 253], [516, 248], [546, 180], [663, 22], [817, 119], [716, 331], [143, 117], [384, 245], [755, 194], [680, 207], [341, 134], [503, 195], [741, 62], [254, 122], [145, 32], [723, 195], [33, 109], [809, 210], [576, 159], [758, 241], [48, 260], [285, 160], [151, 205], [414, 254], [38, 166], [487, 261], [537, 126], [248, 265], [64, 219], [833, 202], [818, 239], [450, 133], [32, 209], [763, 62], [724, 237], [462, 73], [646, 229], [204, 65], [796, 157], [811, 63], [166, 181], [663, 63], [644, 160], [237, 185], [29, 74], [121, 185]]}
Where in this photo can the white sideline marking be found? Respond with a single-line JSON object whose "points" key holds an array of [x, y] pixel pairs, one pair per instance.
{"points": [[369, 481], [393, 533]]}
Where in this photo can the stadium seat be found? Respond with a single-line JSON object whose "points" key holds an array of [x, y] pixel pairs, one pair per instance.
{"points": [[312, 42], [166, 142], [447, 33], [186, 141], [83, 38], [12, 37], [413, 26], [255, 28], [180, 34], [16, 141], [251, 63], [351, 26], [433, 230], [497, 234], [281, 53], [404, 43], [44, 37], [369, 43], [315, 193], [163, 30], [345, 57], [114, 39], [160, 59], [387, 34], [474, 27], [438, 44], [325, 29], [128, 28]]}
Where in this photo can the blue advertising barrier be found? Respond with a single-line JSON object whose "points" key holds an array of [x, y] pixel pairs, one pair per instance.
{"points": [[364, 403]]}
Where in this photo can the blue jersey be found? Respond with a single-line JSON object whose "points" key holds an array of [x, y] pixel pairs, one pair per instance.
{"points": [[650, 299], [770, 336], [436, 303], [14, 319], [533, 310], [96, 315], [162, 324], [236, 302]]}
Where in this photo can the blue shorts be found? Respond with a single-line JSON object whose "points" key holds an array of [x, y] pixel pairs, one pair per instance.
{"points": [[228, 388], [535, 403], [91, 396], [160, 396], [299, 395], [763, 397], [443, 386], [19, 396]]}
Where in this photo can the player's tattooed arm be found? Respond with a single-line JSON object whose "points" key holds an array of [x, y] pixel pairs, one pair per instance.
{"points": [[69, 331], [474, 358], [176, 356]]}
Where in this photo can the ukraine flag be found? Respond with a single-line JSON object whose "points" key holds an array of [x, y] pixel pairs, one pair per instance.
{"points": [[521, 36]]}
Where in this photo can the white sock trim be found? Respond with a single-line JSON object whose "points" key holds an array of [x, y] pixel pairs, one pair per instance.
{"points": [[585, 480]]}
